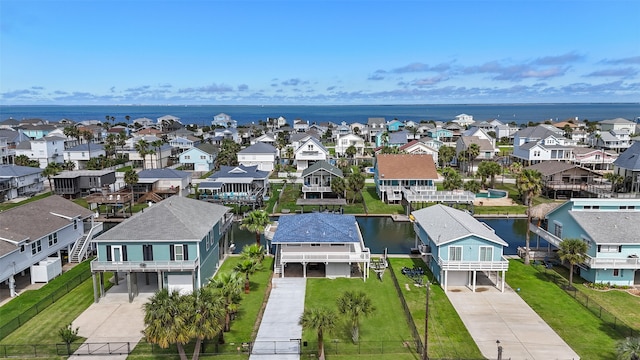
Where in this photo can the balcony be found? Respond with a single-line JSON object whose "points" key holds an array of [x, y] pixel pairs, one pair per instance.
{"points": [[322, 189], [144, 266], [326, 257], [474, 265], [613, 263]]}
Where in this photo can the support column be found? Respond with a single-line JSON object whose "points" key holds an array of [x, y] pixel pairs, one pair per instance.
{"points": [[159, 280], [12, 286], [129, 285], [446, 275], [95, 287], [101, 283], [282, 266], [304, 270], [115, 278], [503, 273], [474, 280]]}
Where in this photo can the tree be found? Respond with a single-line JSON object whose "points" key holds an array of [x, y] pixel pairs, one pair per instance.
{"points": [[68, 336], [351, 151], [355, 184], [574, 251], [256, 221], [629, 349], [248, 267], [50, 171], [472, 152], [529, 185], [473, 186], [121, 141], [229, 286], [338, 186], [71, 132], [253, 252], [321, 320], [228, 154], [515, 168], [289, 153], [142, 147], [165, 321], [157, 144], [110, 145], [204, 317], [22, 160], [452, 179], [445, 155], [489, 169], [355, 304], [131, 178], [88, 137], [68, 165], [615, 179]]}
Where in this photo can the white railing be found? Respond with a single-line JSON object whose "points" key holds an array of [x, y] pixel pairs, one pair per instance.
{"points": [[439, 196], [78, 254], [474, 265], [613, 263], [287, 257], [307, 188], [549, 237], [142, 266]]}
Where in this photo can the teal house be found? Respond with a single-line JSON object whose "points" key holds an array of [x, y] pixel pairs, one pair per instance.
{"points": [[611, 229], [459, 250], [180, 242]]}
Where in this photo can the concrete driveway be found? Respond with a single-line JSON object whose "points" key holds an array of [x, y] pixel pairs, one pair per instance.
{"points": [[490, 315]]}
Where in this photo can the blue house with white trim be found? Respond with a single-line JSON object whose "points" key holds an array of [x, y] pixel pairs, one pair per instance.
{"points": [[459, 248], [611, 229], [180, 241]]}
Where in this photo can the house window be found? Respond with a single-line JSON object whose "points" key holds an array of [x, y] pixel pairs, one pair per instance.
{"points": [[557, 230], [206, 241], [179, 252], [202, 157], [53, 239], [147, 252], [310, 147], [616, 272], [486, 253], [314, 245], [609, 248], [75, 224], [36, 247], [187, 157], [455, 253], [21, 248]]}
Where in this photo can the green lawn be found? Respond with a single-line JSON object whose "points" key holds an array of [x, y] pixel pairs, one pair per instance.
{"points": [[291, 193], [581, 329], [8, 205], [375, 206], [448, 337]]}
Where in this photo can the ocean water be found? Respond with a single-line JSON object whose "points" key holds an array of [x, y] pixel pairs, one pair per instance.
{"points": [[246, 114]]}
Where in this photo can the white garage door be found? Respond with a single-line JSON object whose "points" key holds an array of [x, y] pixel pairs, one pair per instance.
{"points": [[457, 278], [180, 283]]}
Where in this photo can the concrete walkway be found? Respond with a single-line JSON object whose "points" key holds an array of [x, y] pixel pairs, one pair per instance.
{"points": [[279, 333], [114, 320], [490, 315]]}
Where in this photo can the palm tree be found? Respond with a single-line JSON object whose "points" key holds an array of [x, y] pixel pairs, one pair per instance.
{"points": [[207, 311], [452, 179], [489, 169], [165, 321], [355, 304], [121, 141], [88, 136], [71, 132], [355, 183], [615, 180], [68, 165], [629, 349], [472, 152], [445, 155], [574, 251], [256, 221], [157, 144], [142, 147], [529, 184], [228, 285], [110, 145], [50, 171], [320, 319], [131, 178], [338, 186], [288, 153], [253, 252], [248, 267]]}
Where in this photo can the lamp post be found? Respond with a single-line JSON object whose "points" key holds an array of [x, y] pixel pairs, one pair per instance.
{"points": [[499, 349], [426, 322]]}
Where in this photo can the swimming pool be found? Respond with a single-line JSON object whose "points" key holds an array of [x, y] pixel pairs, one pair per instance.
{"points": [[493, 194]]}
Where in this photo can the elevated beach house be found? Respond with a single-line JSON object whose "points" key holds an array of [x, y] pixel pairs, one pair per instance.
{"points": [[459, 249], [181, 241], [330, 244], [240, 184], [611, 229], [35, 237], [317, 180], [398, 173]]}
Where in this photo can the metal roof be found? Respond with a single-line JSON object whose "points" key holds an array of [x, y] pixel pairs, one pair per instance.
{"points": [[317, 228]]}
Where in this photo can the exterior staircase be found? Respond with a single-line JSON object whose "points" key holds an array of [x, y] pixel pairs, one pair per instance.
{"points": [[150, 196], [79, 250]]}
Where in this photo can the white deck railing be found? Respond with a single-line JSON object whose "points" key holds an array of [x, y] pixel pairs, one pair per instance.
{"points": [[474, 265], [549, 237], [438, 196], [613, 263], [307, 188], [144, 266], [306, 257]]}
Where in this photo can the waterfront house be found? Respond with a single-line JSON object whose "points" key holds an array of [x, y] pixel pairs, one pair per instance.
{"points": [[44, 150], [395, 125], [36, 236], [618, 124], [157, 184], [463, 120], [615, 140], [179, 240], [343, 142], [458, 248], [441, 134], [627, 165], [260, 154], [561, 180], [224, 120], [310, 151], [300, 125], [199, 158], [245, 184], [487, 151], [316, 180], [169, 123], [610, 229], [81, 154], [330, 244], [396, 173], [12, 138], [267, 138], [75, 184], [375, 125], [594, 159], [17, 181], [37, 131], [184, 143]]}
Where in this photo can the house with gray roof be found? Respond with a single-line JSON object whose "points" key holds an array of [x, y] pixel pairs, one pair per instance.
{"points": [[562, 180], [260, 154], [610, 229], [78, 183], [487, 151], [308, 152], [157, 184], [459, 249], [614, 139], [81, 154], [199, 158], [317, 178], [179, 242], [18, 181], [627, 165], [543, 142], [45, 150], [35, 237], [236, 184], [329, 245]]}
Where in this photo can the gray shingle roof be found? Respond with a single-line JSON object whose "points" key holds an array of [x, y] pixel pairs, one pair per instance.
{"points": [[445, 224], [610, 227], [10, 171], [317, 228], [173, 219], [162, 174], [322, 165], [630, 158], [259, 148], [86, 147], [547, 168]]}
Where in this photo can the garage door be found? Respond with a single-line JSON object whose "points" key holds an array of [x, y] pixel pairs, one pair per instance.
{"points": [[457, 278], [180, 283], [202, 167]]}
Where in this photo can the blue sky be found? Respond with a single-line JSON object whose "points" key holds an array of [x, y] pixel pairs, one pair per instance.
{"points": [[318, 52]]}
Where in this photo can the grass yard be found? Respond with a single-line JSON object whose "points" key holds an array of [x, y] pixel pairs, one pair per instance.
{"points": [[582, 330], [375, 206], [448, 337], [290, 194], [9, 205], [385, 332]]}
